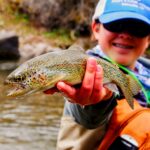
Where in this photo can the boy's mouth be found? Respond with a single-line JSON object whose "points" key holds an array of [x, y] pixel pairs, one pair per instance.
{"points": [[123, 46]]}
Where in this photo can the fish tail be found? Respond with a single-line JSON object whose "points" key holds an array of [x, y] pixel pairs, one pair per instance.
{"points": [[130, 101], [134, 85]]}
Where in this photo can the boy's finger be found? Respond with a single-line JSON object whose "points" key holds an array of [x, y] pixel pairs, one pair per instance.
{"points": [[88, 81], [98, 84], [98, 77], [66, 89], [51, 91]]}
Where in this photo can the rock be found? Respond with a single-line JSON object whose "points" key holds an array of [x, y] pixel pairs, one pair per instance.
{"points": [[9, 45], [8, 65], [32, 46], [70, 14], [41, 12]]}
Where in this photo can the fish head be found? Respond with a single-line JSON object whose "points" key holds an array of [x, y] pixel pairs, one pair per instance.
{"points": [[18, 82], [25, 80]]}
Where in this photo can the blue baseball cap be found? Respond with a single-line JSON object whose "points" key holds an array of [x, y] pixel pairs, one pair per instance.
{"points": [[112, 10]]}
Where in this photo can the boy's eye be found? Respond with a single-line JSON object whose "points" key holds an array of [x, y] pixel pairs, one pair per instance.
{"points": [[135, 28]]}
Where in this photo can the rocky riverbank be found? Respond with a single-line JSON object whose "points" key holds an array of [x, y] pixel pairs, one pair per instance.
{"points": [[31, 28]]}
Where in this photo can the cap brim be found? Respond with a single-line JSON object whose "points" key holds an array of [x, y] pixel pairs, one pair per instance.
{"points": [[114, 16]]}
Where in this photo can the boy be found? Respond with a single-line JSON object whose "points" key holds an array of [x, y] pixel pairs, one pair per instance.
{"points": [[122, 29]]}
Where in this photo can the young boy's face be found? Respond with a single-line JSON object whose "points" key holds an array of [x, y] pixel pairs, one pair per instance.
{"points": [[123, 47]]}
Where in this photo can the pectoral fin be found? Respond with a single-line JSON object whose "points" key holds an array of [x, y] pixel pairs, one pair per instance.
{"points": [[110, 85], [58, 77]]}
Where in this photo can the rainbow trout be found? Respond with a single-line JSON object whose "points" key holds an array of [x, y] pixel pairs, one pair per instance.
{"points": [[43, 72]]}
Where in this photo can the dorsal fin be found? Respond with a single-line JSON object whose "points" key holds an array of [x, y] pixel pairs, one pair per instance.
{"points": [[76, 47]]}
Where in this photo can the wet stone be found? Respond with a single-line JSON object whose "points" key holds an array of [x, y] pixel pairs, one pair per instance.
{"points": [[9, 46]]}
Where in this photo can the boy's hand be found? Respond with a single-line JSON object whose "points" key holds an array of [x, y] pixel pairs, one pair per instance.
{"points": [[91, 90]]}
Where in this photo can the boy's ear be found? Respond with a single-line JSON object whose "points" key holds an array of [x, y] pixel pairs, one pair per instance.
{"points": [[95, 26], [148, 45], [95, 29]]}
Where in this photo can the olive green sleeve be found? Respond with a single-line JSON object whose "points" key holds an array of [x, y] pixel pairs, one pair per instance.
{"points": [[91, 116]]}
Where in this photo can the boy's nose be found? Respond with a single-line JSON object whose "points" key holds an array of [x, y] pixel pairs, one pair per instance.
{"points": [[125, 35]]}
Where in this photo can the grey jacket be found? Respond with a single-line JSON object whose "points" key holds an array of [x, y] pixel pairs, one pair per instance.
{"points": [[95, 115], [84, 127]]}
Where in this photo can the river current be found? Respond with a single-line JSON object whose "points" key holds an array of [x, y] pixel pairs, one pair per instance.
{"points": [[29, 123]]}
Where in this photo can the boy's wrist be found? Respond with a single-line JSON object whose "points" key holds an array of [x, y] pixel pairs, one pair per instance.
{"points": [[108, 96], [112, 97]]}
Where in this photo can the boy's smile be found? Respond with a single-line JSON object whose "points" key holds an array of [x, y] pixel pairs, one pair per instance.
{"points": [[123, 44], [123, 47]]}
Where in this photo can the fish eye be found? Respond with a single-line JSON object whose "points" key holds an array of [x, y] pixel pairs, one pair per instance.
{"points": [[19, 78]]}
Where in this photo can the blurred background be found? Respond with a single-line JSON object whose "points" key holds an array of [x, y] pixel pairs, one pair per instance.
{"points": [[29, 28]]}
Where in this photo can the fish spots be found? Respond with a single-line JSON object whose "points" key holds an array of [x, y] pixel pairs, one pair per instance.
{"points": [[68, 65], [42, 79], [37, 79]]}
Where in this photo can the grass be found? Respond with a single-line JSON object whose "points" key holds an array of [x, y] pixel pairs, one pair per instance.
{"points": [[12, 19], [60, 36]]}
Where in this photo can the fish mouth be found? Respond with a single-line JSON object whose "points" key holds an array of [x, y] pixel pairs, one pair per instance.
{"points": [[14, 89], [13, 85], [10, 83]]}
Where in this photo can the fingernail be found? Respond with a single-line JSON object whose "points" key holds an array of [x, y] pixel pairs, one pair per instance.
{"points": [[98, 68], [60, 85], [92, 60], [91, 64]]}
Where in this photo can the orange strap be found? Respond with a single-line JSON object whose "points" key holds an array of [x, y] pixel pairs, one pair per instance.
{"points": [[115, 127]]}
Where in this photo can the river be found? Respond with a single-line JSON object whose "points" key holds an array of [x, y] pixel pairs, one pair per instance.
{"points": [[29, 123]]}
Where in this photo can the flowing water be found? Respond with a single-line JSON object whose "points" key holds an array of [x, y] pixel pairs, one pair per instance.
{"points": [[29, 123]]}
